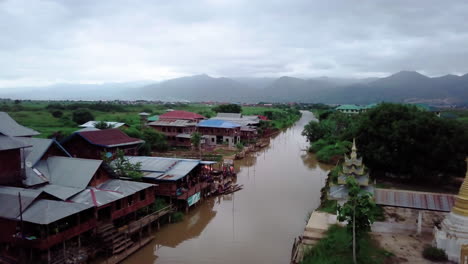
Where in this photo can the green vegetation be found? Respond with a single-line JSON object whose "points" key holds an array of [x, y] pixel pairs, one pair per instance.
{"points": [[402, 140], [328, 206], [228, 108], [158, 204], [335, 248], [154, 140], [177, 217], [82, 115], [122, 166], [45, 117], [434, 254], [358, 212], [102, 125]]}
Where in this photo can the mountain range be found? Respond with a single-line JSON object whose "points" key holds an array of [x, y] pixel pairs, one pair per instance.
{"points": [[404, 86]]}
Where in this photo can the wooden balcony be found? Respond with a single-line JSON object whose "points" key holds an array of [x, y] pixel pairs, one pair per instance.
{"points": [[53, 239]]}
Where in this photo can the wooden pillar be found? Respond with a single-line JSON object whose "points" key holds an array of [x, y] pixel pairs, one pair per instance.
{"points": [[48, 249], [419, 222], [64, 251], [464, 254]]}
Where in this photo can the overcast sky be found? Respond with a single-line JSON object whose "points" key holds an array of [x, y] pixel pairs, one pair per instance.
{"points": [[43, 42]]}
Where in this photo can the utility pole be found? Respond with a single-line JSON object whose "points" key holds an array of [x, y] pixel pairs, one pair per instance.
{"points": [[354, 233]]}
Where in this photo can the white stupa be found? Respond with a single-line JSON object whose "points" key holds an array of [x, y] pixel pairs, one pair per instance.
{"points": [[454, 229]]}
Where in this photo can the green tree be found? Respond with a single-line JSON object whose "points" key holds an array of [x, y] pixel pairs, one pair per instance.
{"points": [[228, 108], [82, 115], [102, 125], [359, 211], [196, 142], [411, 143], [57, 113], [122, 166]]}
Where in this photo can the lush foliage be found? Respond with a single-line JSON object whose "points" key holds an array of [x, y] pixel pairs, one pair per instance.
{"points": [[330, 150], [177, 217], [82, 115], [122, 166], [399, 139], [102, 125], [57, 113], [434, 254], [154, 140], [359, 211], [196, 140], [228, 108], [335, 248], [407, 141]]}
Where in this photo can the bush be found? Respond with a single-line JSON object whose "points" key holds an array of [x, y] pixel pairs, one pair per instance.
{"points": [[177, 217], [81, 116], [57, 113], [228, 108], [434, 254]]}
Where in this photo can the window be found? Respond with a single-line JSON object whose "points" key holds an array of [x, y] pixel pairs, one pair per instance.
{"points": [[143, 195], [118, 205], [130, 200]]}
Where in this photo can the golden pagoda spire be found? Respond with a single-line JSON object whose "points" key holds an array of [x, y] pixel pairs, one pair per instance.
{"points": [[461, 200], [354, 150]]}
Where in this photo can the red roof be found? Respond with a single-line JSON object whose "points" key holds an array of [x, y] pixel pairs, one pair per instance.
{"points": [[183, 115], [264, 118], [109, 138]]}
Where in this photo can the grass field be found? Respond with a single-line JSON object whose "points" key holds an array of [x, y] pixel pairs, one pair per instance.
{"points": [[34, 114]]}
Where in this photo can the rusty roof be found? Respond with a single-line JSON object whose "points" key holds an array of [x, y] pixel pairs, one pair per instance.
{"points": [[417, 200], [109, 138]]}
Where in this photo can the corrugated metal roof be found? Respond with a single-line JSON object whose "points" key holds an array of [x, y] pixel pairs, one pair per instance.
{"points": [[8, 143], [9, 127], [37, 175], [124, 187], [174, 123], [229, 115], [217, 123], [92, 124], [61, 192], [109, 138], [180, 114], [87, 129], [44, 212], [412, 199], [37, 150], [10, 203], [96, 197], [171, 169], [153, 118], [238, 118], [72, 172]]}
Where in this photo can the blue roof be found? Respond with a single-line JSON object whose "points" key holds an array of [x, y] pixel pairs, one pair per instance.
{"points": [[218, 123]]}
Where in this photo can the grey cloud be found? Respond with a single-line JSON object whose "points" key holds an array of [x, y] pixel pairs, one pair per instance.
{"points": [[107, 41]]}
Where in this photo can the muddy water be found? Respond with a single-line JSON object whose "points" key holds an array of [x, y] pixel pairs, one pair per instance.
{"points": [[255, 225]]}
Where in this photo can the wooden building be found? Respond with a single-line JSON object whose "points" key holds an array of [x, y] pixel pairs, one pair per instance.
{"points": [[11, 165], [181, 115], [177, 132], [186, 180], [92, 144], [220, 132]]}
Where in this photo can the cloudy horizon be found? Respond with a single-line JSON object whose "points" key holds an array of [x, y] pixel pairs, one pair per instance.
{"points": [[47, 42]]}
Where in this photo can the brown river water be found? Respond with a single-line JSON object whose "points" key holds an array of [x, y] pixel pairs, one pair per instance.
{"points": [[255, 225]]}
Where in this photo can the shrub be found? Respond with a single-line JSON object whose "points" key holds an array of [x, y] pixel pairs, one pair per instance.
{"points": [[82, 115], [57, 113], [177, 217], [434, 254]]}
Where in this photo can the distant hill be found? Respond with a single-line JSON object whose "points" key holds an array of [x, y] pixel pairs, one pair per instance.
{"points": [[404, 86], [199, 88]]}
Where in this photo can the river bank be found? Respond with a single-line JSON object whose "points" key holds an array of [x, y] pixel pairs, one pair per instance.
{"points": [[257, 224]]}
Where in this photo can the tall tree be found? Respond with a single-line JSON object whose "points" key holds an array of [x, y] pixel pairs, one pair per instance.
{"points": [[359, 211]]}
